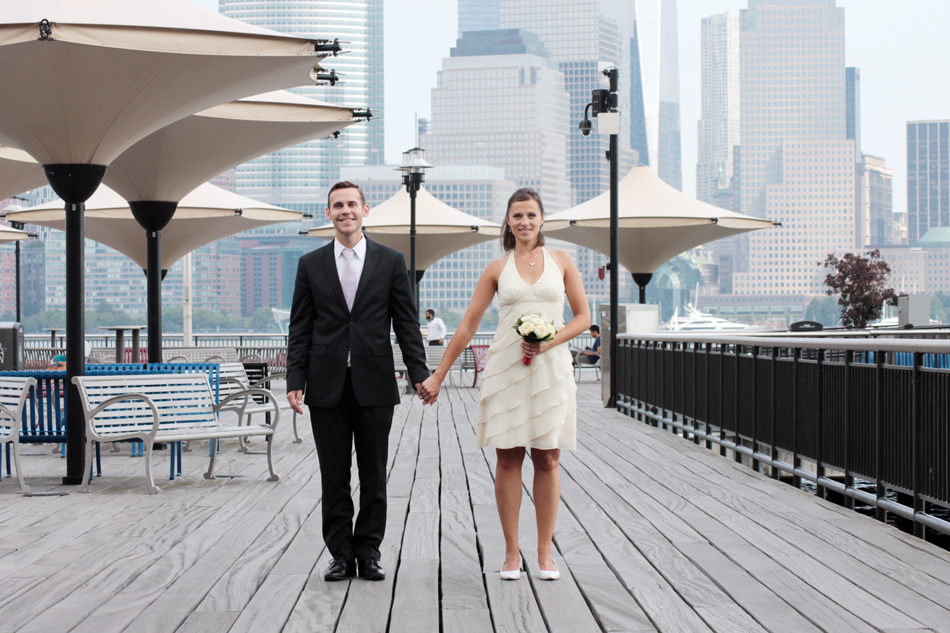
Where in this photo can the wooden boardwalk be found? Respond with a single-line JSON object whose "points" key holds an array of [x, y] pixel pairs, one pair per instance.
{"points": [[654, 534]]}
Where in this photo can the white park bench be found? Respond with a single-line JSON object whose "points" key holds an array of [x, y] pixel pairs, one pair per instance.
{"points": [[13, 394], [233, 378], [163, 408]]}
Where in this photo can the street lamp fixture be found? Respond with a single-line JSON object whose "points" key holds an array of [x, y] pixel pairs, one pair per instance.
{"points": [[19, 226], [605, 102], [414, 165]]}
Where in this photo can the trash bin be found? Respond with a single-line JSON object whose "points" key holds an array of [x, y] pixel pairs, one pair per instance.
{"points": [[11, 346]]}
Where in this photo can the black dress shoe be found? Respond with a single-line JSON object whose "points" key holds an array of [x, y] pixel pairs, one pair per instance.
{"points": [[340, 568], [370, 569]]}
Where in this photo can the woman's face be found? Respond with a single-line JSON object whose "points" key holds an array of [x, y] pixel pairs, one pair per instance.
{"points": [[525, 220]]}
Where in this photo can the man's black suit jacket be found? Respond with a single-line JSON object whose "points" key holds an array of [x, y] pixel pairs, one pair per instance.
{"points": [[323, 332]]}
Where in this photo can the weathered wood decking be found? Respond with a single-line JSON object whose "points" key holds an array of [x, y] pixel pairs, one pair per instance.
{"points": [[653, 533]]}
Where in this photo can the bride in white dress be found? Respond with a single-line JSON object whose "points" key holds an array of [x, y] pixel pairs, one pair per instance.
{"points": [[524, 406]]}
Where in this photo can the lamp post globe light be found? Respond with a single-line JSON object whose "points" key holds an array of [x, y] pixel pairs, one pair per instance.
{"points": [[603, 105], [413, 169]]}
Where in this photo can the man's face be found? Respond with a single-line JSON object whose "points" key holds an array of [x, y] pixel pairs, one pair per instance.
{"points": [[346, 211], [429, 316]]}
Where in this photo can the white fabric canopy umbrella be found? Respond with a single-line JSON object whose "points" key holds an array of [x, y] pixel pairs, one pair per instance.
{"points": [[8, 234], [441, 229], [18, 172], [171, 162], [85, 80], [657, 222], [205, 215]]}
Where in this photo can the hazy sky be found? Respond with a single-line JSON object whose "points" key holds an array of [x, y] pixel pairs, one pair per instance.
{"points": [[902, 50]]}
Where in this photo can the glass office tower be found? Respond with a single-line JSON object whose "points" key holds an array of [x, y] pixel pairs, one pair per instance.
{"points": [[479, 15], [298, 177], [928, 177]]}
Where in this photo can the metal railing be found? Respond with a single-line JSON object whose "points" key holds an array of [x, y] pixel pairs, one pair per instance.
{"points": [[831, 412]]}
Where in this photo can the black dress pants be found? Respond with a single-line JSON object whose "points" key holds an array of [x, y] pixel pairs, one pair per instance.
{"points": [[335, 431]]}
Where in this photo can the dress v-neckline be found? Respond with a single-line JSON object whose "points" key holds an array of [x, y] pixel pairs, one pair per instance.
{"points": [[543, 270]]}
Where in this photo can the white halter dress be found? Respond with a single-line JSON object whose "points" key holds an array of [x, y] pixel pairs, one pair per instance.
{"points": [[528, 405]]}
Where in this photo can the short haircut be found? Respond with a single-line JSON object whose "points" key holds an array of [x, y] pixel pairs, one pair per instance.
{"points": [[430, 310], [595, 328], [346, 184]]}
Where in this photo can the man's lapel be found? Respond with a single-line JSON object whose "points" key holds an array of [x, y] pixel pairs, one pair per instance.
{"points": [[328, 263], [372, 256]]}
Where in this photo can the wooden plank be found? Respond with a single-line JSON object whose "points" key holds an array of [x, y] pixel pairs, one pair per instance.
{"points": [[415, 607], [268, 610]]}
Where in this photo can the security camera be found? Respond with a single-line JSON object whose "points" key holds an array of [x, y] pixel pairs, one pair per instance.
{"points": [[585, 126]]}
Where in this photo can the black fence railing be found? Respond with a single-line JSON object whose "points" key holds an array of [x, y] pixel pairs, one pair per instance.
{"points": [[862, 420]]}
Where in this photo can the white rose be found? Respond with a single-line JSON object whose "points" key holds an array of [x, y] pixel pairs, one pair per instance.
{"points": [[525, 329], [547, 331]]}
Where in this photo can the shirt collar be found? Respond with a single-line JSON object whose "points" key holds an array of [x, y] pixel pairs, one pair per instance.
{"points": [[359, 249]]}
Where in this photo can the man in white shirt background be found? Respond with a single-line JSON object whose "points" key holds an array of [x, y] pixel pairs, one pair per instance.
{"points": [[437, 330]]}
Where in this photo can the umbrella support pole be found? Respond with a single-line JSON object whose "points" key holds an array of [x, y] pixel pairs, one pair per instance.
{"points": [[75, 184], [153, 216], [642, 279]]}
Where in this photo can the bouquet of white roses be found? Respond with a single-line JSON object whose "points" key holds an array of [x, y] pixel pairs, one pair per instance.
{"points": [[534, 328]]}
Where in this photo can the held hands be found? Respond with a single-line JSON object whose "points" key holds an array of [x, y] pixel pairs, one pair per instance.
{"points": [[429, 390], [295, 398]]}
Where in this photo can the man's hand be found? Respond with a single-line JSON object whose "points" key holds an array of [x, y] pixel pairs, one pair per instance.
{"points": [[295, 398]]}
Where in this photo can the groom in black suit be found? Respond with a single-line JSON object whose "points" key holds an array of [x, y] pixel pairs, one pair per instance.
{"points": [[347, 296]]}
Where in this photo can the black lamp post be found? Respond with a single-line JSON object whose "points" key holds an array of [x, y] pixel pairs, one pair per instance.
{"points": [[604, 106], [413, 169], [19, 275]]}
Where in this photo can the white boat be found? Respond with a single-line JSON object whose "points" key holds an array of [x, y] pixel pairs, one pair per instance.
{"points": [[696, 321]]}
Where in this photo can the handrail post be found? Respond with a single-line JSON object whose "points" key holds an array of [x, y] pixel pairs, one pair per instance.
{"points": [[879, 492], [756, 466], [738, 410], [773, 417], [722, 397], [820, 427], [916, 443], [693, 348], [796, 461], [848, 479]]}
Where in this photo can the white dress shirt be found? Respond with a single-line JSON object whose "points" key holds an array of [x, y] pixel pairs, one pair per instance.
{"points": [[437, 329], [359, 249]]}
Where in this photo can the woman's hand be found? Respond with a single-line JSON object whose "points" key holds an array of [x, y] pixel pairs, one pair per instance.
{"points": [[530, 350], [429, 390]]}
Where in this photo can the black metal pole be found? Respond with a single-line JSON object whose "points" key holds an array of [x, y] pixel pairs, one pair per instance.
{"points": [[75, 184], [614, 76], [412, 184], [153, 216], [19, 294]]}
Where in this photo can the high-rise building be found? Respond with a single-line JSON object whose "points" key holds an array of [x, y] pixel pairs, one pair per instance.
{"points": [[928, 177], [475, 189], [798, 165], [7, 279], [34, 278], [654, 88], [718, 129], [876, 225], [479, 15], [852, 79], [298, 177], [500, 100]]}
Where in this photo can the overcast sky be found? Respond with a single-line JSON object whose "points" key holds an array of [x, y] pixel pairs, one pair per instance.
{"points": [[901, 48]]}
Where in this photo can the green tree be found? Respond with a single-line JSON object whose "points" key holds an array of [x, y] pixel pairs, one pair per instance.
{"points": [[489, 321], [8, 316], [173, 319], [263, 320], [824, 310]]}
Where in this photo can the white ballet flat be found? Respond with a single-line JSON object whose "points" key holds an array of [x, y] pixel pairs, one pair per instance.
{"points": [[549, 575], [514, 574]]}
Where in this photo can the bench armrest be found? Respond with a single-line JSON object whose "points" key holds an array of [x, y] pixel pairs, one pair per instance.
{"points": [[90, 415], [246, 394], [16, 414], [266, 379]]}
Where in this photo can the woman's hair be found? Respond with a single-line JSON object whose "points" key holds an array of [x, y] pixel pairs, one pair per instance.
{"points": [[522, 195]]}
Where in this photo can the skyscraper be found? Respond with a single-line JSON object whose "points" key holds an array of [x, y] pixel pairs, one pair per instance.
{"points": [[853, 108], [298, 177], [875, 202], [654, 88], [718, 129], [797, 164], [517, 119], [479, 15], [928, 177]]}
